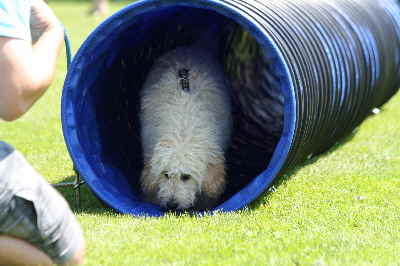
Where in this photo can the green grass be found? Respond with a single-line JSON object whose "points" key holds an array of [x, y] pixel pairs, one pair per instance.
{"points": [[341, 209]]}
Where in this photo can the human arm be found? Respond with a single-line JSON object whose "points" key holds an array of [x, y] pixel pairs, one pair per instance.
{"points": [[27, 69]]}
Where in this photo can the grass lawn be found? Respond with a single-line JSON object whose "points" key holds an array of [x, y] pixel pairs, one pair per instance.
{"points": [[341, 209]]}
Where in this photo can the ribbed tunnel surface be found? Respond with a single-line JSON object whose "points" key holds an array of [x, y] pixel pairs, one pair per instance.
{"points": [[303, 74]]}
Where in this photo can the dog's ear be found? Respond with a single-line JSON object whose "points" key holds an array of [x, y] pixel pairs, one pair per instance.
{"points": [[148, 184], [213, 185]]}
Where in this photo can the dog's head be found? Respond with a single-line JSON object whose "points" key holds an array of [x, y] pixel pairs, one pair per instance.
{"points": [[183, 176]]}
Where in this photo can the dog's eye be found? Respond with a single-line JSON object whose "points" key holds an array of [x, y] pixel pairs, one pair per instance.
{"points": [[185, 177]]}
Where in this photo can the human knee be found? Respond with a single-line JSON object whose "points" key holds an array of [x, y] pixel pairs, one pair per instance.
{"points": [[79, 256]]}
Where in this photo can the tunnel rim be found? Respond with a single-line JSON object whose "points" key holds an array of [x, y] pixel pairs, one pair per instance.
{"points": [[258, 183]]}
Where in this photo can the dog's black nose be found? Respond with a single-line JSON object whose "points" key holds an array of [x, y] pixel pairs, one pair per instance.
{"points": [[172, 205]]}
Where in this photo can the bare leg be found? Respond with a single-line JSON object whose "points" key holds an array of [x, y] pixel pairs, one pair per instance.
{"points": [[78, 258], [60, 241], [14, 251]]}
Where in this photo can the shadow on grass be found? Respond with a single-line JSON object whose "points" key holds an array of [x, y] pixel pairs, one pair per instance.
{"points": [[288, 173], [88, 202]]}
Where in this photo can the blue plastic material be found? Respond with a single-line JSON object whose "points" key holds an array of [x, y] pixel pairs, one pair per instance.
{"points": [[304, 74]]}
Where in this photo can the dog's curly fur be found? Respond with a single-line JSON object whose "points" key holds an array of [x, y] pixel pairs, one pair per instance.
{"points": [[185, 131]]}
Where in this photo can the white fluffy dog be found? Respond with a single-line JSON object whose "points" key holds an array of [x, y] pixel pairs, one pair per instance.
{"points": [[185, 128]]}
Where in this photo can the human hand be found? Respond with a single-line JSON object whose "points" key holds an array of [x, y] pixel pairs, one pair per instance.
{"points": [[42, 19]]}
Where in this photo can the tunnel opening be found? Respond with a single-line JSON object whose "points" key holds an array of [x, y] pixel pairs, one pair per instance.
{"points": [[101, 100]]}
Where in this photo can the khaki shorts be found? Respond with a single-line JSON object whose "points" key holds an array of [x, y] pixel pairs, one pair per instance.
{"points": [[33, 210]]}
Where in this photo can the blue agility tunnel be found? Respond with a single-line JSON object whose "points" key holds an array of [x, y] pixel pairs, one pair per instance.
{"points": [[303, 73]]}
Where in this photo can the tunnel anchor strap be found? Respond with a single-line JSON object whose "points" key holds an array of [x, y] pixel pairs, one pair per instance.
{"points": [[76, 185]]}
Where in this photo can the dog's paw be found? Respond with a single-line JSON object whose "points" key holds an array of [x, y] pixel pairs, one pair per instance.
{"points": [[148, 185], [213, 186]]}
